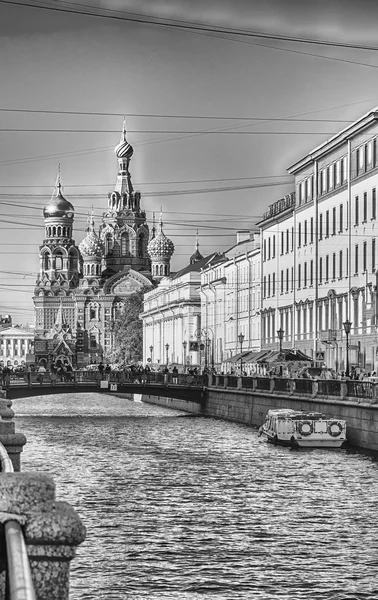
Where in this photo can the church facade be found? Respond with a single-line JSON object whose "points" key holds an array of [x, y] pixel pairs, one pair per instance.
{"points": [[80, 289]]}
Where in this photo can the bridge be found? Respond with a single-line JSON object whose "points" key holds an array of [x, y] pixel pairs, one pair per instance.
{"points": [[182, 387]]}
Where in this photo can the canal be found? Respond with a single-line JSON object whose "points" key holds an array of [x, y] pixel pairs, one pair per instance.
{"points": [[187, 508]]}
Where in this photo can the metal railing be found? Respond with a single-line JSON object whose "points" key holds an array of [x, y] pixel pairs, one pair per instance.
{"points": [[19, 574], [303, 386], [282, 385], [329, 387], [263, 383], [361, 389]]}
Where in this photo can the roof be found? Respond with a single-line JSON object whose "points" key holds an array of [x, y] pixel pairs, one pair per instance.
{"points": [[197, 266], [16, 332]]}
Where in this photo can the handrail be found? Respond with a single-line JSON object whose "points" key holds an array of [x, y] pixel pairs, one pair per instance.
{"points": [[19, 574]]}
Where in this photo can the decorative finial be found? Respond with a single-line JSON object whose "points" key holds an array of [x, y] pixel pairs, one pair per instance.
{"points": [[197, 242], [153, 226], [123, 136], [161, 218]]}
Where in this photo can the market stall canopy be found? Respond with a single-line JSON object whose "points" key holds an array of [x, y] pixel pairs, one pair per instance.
{"points": [[274, 356]]}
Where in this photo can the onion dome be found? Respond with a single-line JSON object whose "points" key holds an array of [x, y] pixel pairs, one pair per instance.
{"points": [[58, 206], [91, 245], [124, 149], [160, 246]]}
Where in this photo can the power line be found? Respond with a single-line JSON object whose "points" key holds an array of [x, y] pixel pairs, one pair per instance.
{"points": [[192, 26], [164, 131], [165, 116]]}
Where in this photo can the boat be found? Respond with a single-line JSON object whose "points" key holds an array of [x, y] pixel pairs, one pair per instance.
{"points": [[303, 429]]}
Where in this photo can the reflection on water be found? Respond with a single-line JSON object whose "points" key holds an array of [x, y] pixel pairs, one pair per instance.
{"points": [[188, 508]]}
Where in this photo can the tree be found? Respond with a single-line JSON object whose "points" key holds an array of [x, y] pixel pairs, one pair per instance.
{"points": [[127, 331]]}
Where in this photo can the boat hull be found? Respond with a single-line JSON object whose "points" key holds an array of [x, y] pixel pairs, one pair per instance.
{"points": [[304, 443]]}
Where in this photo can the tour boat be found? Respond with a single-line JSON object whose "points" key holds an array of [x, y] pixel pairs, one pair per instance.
{"points": [[302, 429]]}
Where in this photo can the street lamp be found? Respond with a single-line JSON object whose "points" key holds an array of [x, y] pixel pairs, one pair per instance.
{"points": [[280, 334], [151, 350], [347, 327], [241, 340], [184, 345], [167, 348]]}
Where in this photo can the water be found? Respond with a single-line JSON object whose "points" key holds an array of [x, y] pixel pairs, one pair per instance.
{"points": [[190, 508]]}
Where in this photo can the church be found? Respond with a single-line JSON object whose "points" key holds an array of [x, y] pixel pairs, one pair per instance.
{"points": [[80, 289]]}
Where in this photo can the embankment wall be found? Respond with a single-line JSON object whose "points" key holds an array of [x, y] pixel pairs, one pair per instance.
{"points": [[250, 408]]}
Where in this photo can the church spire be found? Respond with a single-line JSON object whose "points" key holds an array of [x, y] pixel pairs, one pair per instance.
{"points": [[197, 254]]}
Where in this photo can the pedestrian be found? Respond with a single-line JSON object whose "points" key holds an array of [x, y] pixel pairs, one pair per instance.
{"points": [[41, 373], [107, 370], [101, 368], [175, 375]]}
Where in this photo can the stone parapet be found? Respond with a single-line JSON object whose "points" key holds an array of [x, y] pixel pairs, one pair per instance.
{"points": [[13, 442], [52, 530]]}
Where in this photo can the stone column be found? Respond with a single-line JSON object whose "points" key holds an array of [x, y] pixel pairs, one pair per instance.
{"points": [[13, 442], [52, 530]]}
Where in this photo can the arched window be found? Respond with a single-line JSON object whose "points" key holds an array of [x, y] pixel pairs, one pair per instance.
{"points": [[46, 261], [58, 261], [93, 270], [98, 269], [72, 262], [140, 244], [64, 232], [109, 242], [59, 231], [166, 270], [125, 244], [54, 231], [161, 269]]}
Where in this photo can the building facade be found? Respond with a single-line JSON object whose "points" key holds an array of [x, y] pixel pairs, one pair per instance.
{"points": [[320, 252], [172, 316], [16, 347], [230, 300], [80, 289]]}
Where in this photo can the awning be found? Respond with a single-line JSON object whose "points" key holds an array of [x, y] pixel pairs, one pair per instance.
{"points": [[237, 357]]}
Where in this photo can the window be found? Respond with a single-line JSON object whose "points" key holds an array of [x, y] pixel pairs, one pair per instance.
{"points": [[305, 233], [299, 234], [125, 244], [334, 174], [334, 265], [264, 251], [287, 240], [327, 268], [282, 242], [287, 280], [292, 278], [342, 171], [92, 340], [305, 275], [356, 210], [356, 259], [341, 216], [373, 204], [274, 247], [312, 272], [337, 175], [364, 257], [269, 286], [292, 239], [374, 152], [327, 224], [320, 270], [264, 287], [334, 220], [273, 284], [269, 249], [321, 227], [109, 242], [58, 261], [92, 312], [340, 264], [299, 276], [365, 208], [141, 245], [282, 282], [312, 230], [373, 255]]}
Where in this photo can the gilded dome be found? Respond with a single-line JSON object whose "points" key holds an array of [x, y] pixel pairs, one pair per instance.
{"points": [[124, 149], [160, 247], [91, 245], [58, 206]]}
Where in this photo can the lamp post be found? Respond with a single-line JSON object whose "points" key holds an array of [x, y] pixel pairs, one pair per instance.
{"points": [[241, 340], [151, 350], [280, 334], [167, 348], [184, 345], [347, 327]]}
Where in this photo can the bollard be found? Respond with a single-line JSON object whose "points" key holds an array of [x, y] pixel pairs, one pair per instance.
{"points": [[13, 442], [52, 530]]}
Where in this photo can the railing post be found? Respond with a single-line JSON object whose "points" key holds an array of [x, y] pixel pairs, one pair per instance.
{"points": [[254, 384], [52, 530], [292, 386], [216, 380], [343, 389], [225, 381], [271, 384], [315, 388], [240, 383], [13, 442], [210, 379]]}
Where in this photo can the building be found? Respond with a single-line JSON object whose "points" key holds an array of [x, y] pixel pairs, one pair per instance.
{"points": [[172, 311], [80, 289], [322, 245], [230, 301], [16, 347]]}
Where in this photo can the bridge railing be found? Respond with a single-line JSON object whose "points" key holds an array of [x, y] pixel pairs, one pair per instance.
{"points": [[344, 389]]}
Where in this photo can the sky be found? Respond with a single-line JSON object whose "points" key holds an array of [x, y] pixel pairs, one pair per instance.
{"points": [[215, 118]]}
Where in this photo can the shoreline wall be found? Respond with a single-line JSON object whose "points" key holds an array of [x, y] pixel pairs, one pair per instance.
{"points": [[250, 408]]}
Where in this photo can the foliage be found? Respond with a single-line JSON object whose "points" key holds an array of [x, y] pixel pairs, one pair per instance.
{"points": [[127, 331]]}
